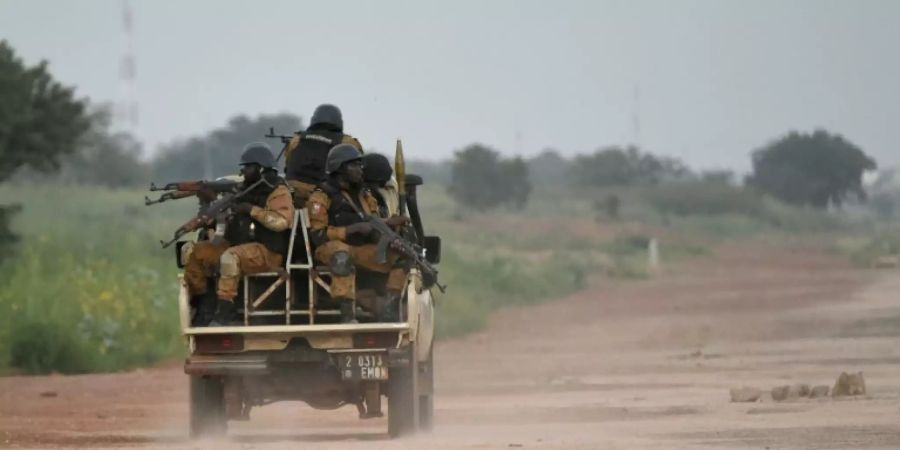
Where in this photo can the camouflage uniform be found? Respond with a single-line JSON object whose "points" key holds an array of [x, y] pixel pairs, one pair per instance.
{"points": [[391, 198], [330, 211], [264, 253]]}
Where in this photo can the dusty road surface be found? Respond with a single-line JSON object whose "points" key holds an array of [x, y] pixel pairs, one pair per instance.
{"points": [[644, 365]]}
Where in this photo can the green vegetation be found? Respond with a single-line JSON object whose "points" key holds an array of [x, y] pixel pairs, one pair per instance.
{"points": [[879, 248], [87, 287], [812, 169], [90, 289], [482, 179], [510, 257], [40, 120]]}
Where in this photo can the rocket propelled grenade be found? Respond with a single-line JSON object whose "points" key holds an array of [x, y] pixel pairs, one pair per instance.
{"points": [[400, 174]]}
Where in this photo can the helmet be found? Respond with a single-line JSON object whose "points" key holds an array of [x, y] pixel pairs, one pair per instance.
{"points": [[328, 115], [258, 153], [339, 155], [376, 168]]}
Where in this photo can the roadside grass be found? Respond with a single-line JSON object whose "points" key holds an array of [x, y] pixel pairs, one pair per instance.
{"points": [[90, 290], [880, 247]]}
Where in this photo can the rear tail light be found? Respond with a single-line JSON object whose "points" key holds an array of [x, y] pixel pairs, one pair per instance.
{"points": [[374, 340], [219, 343]]}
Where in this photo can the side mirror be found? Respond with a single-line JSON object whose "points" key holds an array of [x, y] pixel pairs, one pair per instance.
{"points": [[181, 251], [433, 249]]}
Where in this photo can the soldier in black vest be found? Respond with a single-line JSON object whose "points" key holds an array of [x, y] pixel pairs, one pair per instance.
{"points": [[338, 213], [307, 151], [254, 238]]}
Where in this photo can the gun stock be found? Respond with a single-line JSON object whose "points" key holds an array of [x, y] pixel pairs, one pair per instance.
{"points": [[389, 239]]}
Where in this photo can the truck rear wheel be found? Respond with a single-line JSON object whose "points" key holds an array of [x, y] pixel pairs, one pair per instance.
{"points": [[207, 406], [426, 393], [403, 399]]}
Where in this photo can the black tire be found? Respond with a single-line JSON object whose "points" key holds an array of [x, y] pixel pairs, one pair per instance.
{"points": [[426, 393], [403, 398], [207, 406]]}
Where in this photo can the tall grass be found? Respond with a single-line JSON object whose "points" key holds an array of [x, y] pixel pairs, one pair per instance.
{"points": [[89, 287]]}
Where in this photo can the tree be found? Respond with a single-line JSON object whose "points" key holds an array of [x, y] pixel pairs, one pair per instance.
{"points": [[105, 158], [516, 185], [548, 168], [481, 179], [818, 169], [40, 120], [217, 153], [617, 166]]}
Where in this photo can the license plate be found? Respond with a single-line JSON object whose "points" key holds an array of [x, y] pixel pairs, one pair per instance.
{"points": [[363, 366]]}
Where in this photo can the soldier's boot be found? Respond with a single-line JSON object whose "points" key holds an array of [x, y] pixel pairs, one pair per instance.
{"points": [[226, 314], [204, 306], [204, 310], [348, 311], [389, 308]]}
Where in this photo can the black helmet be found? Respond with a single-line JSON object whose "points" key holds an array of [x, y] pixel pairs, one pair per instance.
{"points": [[339, 155], [258, 153], [328, 115], [376, 168]]}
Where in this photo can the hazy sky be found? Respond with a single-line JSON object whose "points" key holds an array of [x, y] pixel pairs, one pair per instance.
{"points": [[715, 78]]}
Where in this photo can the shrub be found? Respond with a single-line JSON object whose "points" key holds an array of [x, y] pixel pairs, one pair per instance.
{"points": [[704, 198], [42, 347]]}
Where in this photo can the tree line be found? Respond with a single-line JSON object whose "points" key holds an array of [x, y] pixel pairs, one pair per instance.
{"points": [[46, 132]]}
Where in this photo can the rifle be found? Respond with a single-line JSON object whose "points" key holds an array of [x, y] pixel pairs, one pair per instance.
{"points": [[388, 238], [210, 212], [206, 191], [285, 140]]}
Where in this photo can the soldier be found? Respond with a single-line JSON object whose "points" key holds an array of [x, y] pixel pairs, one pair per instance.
{"points": [[306, 153], [253, 240], [379, 178], [338, 211]]}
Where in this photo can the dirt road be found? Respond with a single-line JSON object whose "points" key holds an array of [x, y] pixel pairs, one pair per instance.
{"points": [[644, 365]]}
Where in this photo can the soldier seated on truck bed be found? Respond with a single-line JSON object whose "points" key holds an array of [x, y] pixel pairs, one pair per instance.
{"points": [[305, 156], [254, 240], [379, 177], [338, 214]]}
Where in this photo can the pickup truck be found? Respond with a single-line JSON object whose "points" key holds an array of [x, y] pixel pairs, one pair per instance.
{"points": [[292, 346]]}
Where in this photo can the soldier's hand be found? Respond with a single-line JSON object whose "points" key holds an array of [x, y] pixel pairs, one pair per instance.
{"points": [[397, 220], [363, 228], [396, 245], [197, 223], [242, 208]]}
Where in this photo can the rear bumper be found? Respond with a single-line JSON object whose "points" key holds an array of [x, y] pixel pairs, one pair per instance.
{"points": [[299, 330], [226, 365]]}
